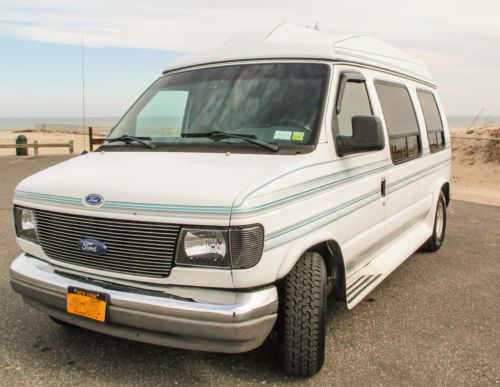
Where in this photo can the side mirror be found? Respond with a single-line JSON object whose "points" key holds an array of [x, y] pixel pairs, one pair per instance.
{"points": [[367, 135]]}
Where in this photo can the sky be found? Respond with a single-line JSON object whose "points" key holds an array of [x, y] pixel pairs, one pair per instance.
{"points": [[128, 44]]}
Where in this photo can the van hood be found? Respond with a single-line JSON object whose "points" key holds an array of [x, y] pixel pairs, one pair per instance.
{"points": [[182, 185]]}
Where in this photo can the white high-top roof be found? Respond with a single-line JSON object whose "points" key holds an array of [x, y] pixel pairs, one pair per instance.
{"points": [[289, 41]]}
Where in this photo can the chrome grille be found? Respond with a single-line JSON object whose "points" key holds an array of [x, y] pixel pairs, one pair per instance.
{"points": [[138, 248], [246, 246]]}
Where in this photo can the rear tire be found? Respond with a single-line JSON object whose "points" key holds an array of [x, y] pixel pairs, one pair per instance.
{"points": [[302, 317], [435, 242]]}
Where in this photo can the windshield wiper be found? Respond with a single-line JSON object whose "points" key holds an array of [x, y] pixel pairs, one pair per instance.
{"points": [[128, 139], [245, 137]]}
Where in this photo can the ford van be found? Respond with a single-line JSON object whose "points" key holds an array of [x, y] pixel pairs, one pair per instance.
{"points": [[244, 186]]}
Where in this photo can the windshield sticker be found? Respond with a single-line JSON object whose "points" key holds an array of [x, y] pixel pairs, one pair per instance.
{"points": [[282, 135], [298, 136]]}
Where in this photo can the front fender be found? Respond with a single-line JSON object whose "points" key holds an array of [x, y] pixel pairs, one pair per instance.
{"points": [[299, 247]]}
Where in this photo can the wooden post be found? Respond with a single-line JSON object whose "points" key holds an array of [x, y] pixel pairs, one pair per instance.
{"points": [[91, 136], [71, 147], [35, 148]]}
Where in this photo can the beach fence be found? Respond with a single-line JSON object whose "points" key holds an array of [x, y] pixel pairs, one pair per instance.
{"points": [[476, 138], [92, 140], [93, 136], [486, 148], [36, 146]]}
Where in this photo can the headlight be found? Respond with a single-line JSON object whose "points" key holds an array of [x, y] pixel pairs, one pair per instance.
{"points": [[25, 224], [236, 247], [203, 248]]}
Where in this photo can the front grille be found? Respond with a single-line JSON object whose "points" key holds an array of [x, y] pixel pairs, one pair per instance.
{"points": [[138, 248]]}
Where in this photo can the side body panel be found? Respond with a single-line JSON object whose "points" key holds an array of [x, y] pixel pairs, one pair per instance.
{"points": [[412, 191], [344, 204], [338, 199]]}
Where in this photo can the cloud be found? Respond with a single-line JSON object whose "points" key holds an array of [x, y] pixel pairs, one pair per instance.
{"points": [[193, 25], [454, 37]]}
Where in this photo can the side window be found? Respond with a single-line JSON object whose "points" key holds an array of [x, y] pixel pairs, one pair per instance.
{"points": [[433, 122], [163, 115], [354, 101], [401, 121]]}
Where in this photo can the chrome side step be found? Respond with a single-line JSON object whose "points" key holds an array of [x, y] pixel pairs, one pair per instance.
{"points": [[361, 283], [358, 286]]}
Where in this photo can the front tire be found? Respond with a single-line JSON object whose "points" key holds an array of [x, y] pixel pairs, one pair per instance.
{"points": [[302, 317], [435, 242]]}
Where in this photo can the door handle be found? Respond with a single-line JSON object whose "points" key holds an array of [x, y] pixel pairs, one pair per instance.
{"points": [[382, 187]]}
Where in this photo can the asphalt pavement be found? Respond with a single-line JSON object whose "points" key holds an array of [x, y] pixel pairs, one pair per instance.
{"points": [[434, 321]]}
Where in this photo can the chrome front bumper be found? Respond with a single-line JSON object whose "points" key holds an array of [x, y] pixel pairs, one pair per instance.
{"points": [[206, 320]]}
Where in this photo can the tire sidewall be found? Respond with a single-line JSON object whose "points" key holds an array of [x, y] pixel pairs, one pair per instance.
{"points": [[291, 318], [438, 239]]}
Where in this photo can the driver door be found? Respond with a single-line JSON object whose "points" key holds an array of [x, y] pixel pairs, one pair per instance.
{"points": [[363, 233]]}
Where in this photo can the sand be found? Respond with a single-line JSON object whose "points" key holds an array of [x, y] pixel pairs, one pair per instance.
{"points": [[46, 137], [475, 166]]}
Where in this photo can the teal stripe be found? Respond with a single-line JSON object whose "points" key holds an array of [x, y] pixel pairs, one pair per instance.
{"points": [[374, 197], [413, 176], [34, 195], [220, 210], [417, 173], [304, 167], [321, 216], [64, 199], [227, 210], [318, 188], [167, 207], [291, 228]]}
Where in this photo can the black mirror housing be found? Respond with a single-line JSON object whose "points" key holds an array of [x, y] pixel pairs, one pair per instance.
{"points": [[367, 135]]}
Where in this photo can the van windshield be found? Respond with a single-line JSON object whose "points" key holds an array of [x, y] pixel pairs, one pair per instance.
{"points": [[275, 103]]}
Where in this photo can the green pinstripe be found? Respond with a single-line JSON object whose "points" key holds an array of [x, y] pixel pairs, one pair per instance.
{"points": [[225, 210], [358, 201]]}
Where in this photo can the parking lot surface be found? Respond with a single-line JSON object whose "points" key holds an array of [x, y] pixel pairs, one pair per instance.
{"points": [[434, 321]]}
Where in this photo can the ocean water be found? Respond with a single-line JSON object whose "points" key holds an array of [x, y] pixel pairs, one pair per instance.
{"points": [[73, 123], [56, 122], [463, 122]]}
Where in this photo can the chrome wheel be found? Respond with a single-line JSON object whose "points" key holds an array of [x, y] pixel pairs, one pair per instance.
{"points": [[438, 232], [439, 220]]}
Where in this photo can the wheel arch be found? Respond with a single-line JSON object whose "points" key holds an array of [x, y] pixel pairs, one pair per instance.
{"points": [[329, 249], [441, 185], [447, 192]]}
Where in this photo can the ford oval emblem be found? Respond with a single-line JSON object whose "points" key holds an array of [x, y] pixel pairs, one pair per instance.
{"points": [[92, 246], [94, 199]]}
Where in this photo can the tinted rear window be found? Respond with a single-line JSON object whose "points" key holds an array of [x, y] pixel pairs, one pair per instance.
{"points": [[398, 110], [431, 112], [400, 120], [433, 122]]}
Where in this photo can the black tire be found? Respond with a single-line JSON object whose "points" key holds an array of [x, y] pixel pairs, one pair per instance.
{"points": [[302, 317], [435, 241]]}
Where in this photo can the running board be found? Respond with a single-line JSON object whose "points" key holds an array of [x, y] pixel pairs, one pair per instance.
{"points": [[361, 283]]}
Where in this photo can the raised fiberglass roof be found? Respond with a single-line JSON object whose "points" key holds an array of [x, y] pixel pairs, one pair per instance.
{"points": [[288, 41]]}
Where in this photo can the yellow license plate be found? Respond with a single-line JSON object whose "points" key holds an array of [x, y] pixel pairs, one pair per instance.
{"points": [[87, 303]]}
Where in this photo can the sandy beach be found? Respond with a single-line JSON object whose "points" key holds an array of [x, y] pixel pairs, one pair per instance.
{"points": [[475, 166], [80, 141]]}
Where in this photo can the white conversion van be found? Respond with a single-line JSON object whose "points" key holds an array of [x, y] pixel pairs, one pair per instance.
{"points": [[245, 185]]}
